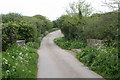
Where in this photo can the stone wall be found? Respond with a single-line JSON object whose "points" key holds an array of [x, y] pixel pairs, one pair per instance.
{"points": [[93, 42], [20, 42]]}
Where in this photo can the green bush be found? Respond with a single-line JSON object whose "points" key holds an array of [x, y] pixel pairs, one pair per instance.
{"points": [[9, 34], [13, 31], [35, 44], [27, 32], [19, 62], [102, 26], [16, 26], [43, 24], [101, 59], [69, 44], [11, 17], [98, 26], [69, 26]]}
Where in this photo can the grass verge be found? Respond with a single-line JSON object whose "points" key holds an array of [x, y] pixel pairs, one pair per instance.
{"points": [[69, 44]]}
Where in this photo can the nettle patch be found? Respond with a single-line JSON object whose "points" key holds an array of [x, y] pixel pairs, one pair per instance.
{"points": [[18, 62]]}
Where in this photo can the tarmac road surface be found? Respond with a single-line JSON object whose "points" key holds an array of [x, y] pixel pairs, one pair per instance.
{"points": [[55, 62]]}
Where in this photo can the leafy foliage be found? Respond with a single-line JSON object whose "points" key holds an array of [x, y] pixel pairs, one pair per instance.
{"points": [[12, 31], [11, 17], [101, 59], [69, 44], [16, 26], [27, 32], [35, 44], [104, 26], [19, 62], [79, 8], [98, 26], [43, 24], [9, 34], [68, 26]]}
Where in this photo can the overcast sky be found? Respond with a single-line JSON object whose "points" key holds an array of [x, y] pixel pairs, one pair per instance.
{"points": [[52, 9]]}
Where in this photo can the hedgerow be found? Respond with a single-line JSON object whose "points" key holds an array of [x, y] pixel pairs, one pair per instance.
{"points": [[21, 61], [99, 26], [17, 27], [11, 32], [102, 26]]}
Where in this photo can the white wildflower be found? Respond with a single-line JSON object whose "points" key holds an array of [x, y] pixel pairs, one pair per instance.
{"points": [[13, 57], [20, 57], [21, 61], [16, 63], [23, 70], [26, 54], [6, 62], [7, 71], [13, 69], [20, 53], [3, 58], [14, 66]]}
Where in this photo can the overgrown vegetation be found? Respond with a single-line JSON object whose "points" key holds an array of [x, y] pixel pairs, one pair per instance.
{"points": [[69, 44], [98, 26], [18, 27], [77, 26], [103, 60], [21, 62], [101, 26]]}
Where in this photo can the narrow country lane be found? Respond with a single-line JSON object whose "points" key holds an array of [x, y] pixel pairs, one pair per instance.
{"points": [[55, 62]]}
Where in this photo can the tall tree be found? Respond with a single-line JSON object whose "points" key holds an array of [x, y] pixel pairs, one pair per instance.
{"points": [[113, 4], [81, 8]]}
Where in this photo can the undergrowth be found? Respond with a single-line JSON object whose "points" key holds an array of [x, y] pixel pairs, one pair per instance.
{"points": [[69, 44], [19, 62], [101, 59]]}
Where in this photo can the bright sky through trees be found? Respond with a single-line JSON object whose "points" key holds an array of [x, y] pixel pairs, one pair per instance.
{"points": [[52, 9]]}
